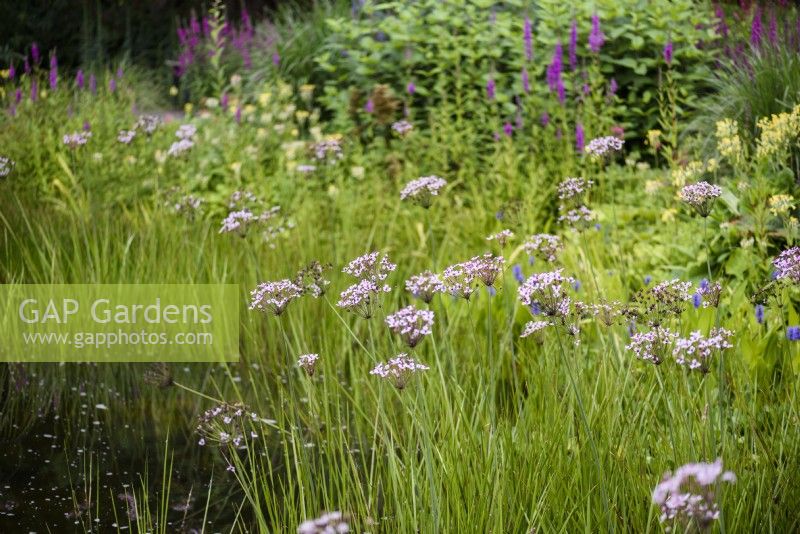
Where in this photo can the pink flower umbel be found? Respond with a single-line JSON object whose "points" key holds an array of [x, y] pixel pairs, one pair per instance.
{"points": [[787, 265], [543, 246], [327, 523], [274, 297], [425, 285], [308, 362], [695, 351], [411, 324], [502, 237], [652, 346], [700, 196], [370, 266], [422, 190], [688, 496], [399, 370], [362, 298], [604, 146]]}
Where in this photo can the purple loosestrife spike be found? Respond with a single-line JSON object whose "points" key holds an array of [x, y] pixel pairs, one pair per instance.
{"points": [[276, 59], [579, 138], [528, 38], [53, 72], [34, 91], [223, 102], [112, 85], [526, 82], [573, 46], [238, 115], [756, 29], [668, 53], [596, 37], [490, 89], [18, 96], [93, 83], [120, 72], [35, 52], [79, 81], [772, 31], [26, 66], [544, 120], [411, 88], [369, 107], [508, 129], [86, 126], [613, 87], [12, 72], [555, 68], [561, 90], [760, 313]]}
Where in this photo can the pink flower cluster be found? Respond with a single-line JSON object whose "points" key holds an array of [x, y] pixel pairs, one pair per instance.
{"points": [[77, 139], [329, 150], [695, 351], [327, 523], [126, 136], [502, 237], [308, 362], [700, 196], [273, 297], [411, 324], [425, 285], [548, 292], [459, 279], [422, 190], [603, 146], [370, 266], [543, 246], [402, 128], [687, 496], [399, 369], [532, 328], [362, 298], [652, 346], [572, 188]]}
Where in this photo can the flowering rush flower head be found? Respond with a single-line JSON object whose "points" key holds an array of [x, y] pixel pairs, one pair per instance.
{"points": [[126, 136], [459, 280], [186, 131], [543, 246], [179, 148], [425, 285], [652, 346], [687, 497], [327, 523], [399, 369], [6, 166], [228, 424], [700, 196], [573, 188], [76, 139], [311, 279], [237, 221], [371, 266], [502, 237], [710, 292], [148, 124], [596, 37], [546, 292], [533, 329], [696, 350], [308, 362], [653, 305], [604, 146], [411, 324], [422, 190], [273, 297], [485, 268], [362, 298], [787, 265], [402, 128], [328, 150]]}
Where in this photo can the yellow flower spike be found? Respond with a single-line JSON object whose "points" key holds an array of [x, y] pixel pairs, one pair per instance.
{"points": [[263, 99], [188, 108], [173, 91], [668, 215]]}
